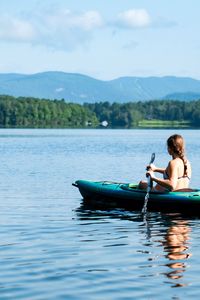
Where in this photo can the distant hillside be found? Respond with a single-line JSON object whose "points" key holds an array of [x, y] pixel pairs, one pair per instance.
{"points": [[80, 88], [183, 96]]}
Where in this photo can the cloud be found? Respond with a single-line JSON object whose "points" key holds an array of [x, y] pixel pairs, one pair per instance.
{"points": [[66, 19], [59, 30], [65, 30], [15, 29], [133, 18]]}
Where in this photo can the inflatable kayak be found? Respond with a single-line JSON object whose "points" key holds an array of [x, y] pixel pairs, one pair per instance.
{"points": [[128, 196]]}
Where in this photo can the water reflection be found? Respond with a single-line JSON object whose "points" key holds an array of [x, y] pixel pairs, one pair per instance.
{"points": [[176, 245], [168, 233]]}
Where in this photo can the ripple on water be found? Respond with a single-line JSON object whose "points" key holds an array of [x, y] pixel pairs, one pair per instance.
{"points": [[54, 247]]}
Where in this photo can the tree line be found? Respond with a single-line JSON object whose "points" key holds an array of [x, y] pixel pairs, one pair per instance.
{"points": [[27, 112], [130, 114]]}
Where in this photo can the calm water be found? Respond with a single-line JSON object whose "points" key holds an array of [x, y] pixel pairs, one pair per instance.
{"points": [[53, 247]]}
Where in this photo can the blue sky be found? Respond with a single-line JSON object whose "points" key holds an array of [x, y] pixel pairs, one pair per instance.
{"points": [[104, 39]]}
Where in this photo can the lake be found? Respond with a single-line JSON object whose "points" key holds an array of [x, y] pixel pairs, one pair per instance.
{"points": [[52, 247]]}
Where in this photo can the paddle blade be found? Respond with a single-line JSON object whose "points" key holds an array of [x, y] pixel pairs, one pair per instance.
{"points": [[153, 155]]}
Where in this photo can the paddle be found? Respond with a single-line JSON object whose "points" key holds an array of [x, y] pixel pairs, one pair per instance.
{"points": [[149, 183], [148, 177]]}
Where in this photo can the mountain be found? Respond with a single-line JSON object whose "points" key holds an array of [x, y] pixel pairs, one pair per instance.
{"points": [[81, 88], [183, 96]]}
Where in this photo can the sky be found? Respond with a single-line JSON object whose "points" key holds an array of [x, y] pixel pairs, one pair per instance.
{"points": [[104, 39]]}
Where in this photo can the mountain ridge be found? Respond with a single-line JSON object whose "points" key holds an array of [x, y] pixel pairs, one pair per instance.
{"points": [[80, 88]]}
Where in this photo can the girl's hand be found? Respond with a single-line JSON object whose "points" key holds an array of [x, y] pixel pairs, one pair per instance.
{"points": [[150, 173], [151, 167]]}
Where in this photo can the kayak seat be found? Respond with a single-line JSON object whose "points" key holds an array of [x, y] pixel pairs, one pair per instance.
{"points": [[186, 190], [132, 186]]}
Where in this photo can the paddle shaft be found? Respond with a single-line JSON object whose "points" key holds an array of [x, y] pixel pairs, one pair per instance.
{"points": [[149, 181]]}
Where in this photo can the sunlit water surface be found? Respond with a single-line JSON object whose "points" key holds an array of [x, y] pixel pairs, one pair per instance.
{"points": [[52, 246]]}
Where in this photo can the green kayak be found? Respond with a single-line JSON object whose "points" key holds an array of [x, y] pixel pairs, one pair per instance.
{"points": [[128, 196]]}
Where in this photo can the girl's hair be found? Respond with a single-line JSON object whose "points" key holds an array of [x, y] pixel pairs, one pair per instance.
{"points": [[176, 144]]}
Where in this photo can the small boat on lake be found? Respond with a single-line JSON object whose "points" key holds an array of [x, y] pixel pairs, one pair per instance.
{"points": [[128, 196]]}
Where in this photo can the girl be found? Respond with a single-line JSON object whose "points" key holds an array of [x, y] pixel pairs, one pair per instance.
{"points": [[178, 172]]}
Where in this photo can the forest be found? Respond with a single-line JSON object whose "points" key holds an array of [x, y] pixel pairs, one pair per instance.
{"points": [[27, 112]]}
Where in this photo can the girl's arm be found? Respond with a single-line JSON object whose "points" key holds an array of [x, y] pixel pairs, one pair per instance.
{"points": [[153, 168], [170, 183], [160, 170]]}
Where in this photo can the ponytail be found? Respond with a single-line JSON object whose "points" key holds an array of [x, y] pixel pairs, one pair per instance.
{"points": [[176, 144]]}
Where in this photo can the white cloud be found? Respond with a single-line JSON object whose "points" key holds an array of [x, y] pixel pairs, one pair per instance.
{"points": [[87, 21], [14, 29], [59, 30], [134, 18], [62, 29], [90, 20]]}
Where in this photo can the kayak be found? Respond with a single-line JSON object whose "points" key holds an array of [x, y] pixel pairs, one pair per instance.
{"points": [[129, 196]]}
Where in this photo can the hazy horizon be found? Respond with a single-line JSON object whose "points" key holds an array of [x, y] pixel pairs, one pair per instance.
{"points": [[87, 75]]}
